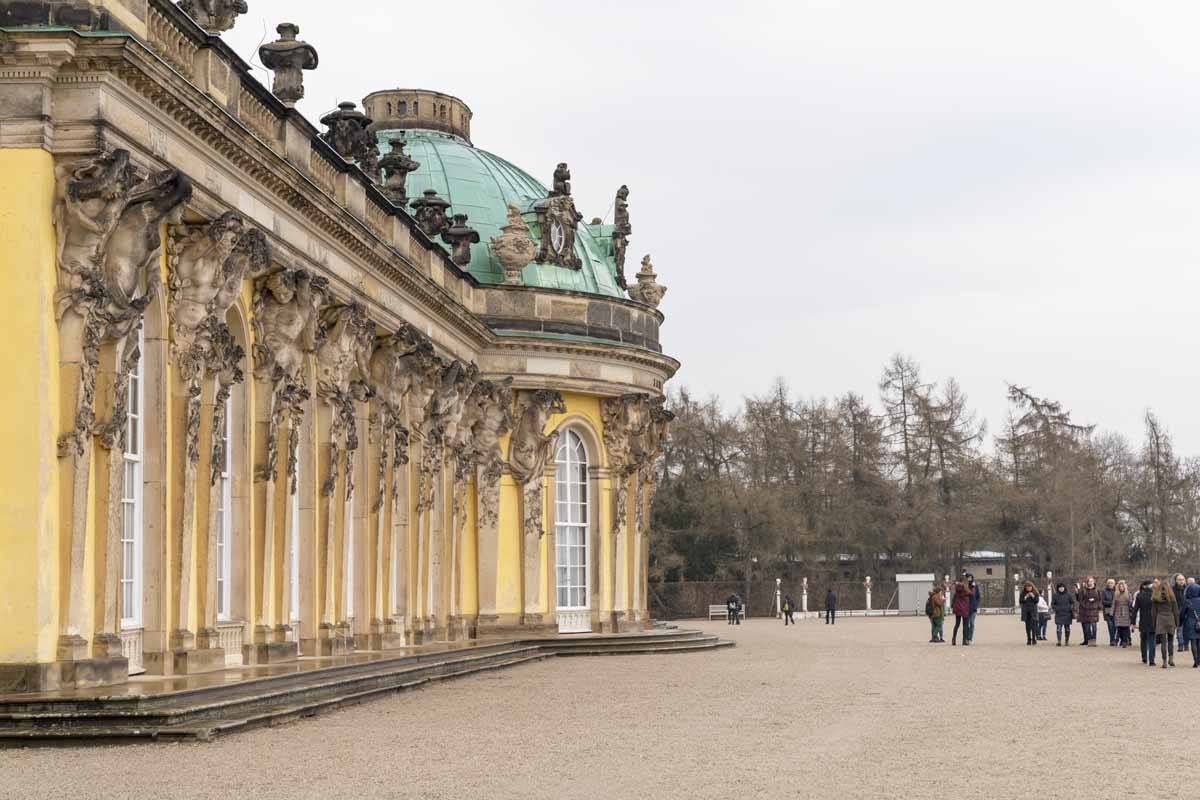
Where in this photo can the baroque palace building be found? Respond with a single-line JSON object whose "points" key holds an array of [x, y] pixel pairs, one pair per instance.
{"points": [[277, 391]]}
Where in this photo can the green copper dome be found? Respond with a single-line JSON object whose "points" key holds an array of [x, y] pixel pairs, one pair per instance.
{"points": [[481, 185]]}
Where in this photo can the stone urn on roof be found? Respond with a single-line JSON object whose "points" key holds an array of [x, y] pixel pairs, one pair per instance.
{"points": [[514, 248], [287, 58], [647, 289]]}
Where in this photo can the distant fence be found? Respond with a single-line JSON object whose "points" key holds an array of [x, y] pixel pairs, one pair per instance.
{"points": [[682, 600], [692, 598]]}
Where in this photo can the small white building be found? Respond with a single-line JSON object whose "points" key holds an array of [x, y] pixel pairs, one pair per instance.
{"points": [[912, 590]]}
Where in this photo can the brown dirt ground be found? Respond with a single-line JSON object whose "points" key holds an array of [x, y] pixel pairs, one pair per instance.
{"points": [[866, 708]]}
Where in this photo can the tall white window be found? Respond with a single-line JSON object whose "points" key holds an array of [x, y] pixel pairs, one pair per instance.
{"points": [[225, 523], [131, 500], [571, 521]]}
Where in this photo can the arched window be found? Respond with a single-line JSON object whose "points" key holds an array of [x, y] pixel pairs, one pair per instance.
{"points": [[131, 499], [225, 525], [402, 108], [416, 108], [389, 105], [571, 516]]}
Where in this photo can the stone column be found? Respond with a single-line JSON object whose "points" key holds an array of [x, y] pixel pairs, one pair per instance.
{"points": [[379, 429], [621, 551], [437, 546], [401, 502], [487, 535], [533, 515]]}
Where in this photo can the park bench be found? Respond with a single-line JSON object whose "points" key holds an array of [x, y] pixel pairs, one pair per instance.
{"points": [[719, 611]]}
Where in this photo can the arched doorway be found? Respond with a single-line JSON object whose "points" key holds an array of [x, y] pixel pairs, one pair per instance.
{"points": [[571, 522]]}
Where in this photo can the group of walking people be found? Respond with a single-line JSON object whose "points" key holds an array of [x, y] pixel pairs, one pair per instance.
{"points": [[1166, 613]]}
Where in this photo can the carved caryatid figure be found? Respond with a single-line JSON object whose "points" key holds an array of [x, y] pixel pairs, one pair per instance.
{"points": [[201, 268], [457, 382], [559, 221], [530, 449], [429, 211], [287, 322], [647, 289], [620, 233], [107, 223], [288, 57], [214, 16], [460, 237], [396, 165], [348, 134], [514, 248], [624, 421], [343, 358]]}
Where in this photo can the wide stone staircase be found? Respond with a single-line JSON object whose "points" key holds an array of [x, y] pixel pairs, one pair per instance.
{"points": [[202, 707]]}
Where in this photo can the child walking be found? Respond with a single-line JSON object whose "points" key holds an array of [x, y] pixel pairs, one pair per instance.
{"points": [[935, 609]]}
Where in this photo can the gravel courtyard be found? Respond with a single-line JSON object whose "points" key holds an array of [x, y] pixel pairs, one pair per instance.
{"points": [[863, 708]]}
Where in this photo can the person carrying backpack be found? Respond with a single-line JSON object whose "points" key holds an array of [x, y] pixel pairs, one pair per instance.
{"points": [[935, 609]]}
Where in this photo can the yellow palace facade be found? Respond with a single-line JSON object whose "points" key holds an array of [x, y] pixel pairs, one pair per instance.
{"points": [[277, 391]]}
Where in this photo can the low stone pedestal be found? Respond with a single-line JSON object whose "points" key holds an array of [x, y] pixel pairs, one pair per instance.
{"points": [[85, 673], [269, 652], [197, 660], [332, 641]]}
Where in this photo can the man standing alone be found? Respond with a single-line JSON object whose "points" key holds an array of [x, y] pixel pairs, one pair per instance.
{"points": [[830, 607]]}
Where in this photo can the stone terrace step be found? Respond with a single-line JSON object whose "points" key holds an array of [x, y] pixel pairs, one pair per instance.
{"points": [[210, 706]]}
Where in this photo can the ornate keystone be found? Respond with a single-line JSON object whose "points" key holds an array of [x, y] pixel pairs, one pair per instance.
{"points": [[514, 248], [647, 289], [430, 212], [288, 58], [396, 165], [214, 15], [460, 237]]}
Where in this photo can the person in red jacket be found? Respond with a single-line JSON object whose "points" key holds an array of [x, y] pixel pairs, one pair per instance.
{"points": [[961, 606]]}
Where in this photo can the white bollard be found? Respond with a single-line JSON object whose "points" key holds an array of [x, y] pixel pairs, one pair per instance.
{"points": [[778, 595], [867, 583], [1017, 591], [804, 596]]}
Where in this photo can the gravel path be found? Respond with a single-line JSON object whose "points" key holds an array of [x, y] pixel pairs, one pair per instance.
{"points": [[866, 708]]}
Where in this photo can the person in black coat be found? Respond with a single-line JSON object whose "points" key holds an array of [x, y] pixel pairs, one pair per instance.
{"points": [[1062, 604], [1029, 612], [789, 608], [1143, 618], [733, 606], [830, 607]]}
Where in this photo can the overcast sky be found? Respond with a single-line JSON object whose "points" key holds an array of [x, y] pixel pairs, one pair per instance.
{"points": [[1005, 191]]}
